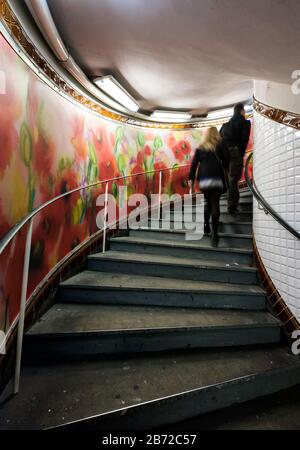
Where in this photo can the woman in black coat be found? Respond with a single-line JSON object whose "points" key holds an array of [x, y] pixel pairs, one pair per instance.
{"points": [[207, 167]]}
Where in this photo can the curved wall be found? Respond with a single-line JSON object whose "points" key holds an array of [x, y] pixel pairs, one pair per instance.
{"points": [[277, 175], [50, 145]]}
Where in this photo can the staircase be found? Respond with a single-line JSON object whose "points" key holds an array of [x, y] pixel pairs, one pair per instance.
{"points": [[155, 331]]}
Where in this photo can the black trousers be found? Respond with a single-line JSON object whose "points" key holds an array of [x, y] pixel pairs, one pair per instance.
{"points": [[212, 208], [232, 181]]}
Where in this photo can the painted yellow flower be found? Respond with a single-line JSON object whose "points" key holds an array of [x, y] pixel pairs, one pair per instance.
{"points": [[15, 190]]}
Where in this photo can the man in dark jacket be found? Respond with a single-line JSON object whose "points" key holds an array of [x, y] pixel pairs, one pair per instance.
{"points": [[235, 135]]}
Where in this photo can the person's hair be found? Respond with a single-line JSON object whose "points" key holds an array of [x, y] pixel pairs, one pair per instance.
{"points": [[212, 138], [238, 108]]}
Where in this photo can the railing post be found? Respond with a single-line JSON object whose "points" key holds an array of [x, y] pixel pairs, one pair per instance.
{"points": [[22, 307], [105, 218], [159, 194]]}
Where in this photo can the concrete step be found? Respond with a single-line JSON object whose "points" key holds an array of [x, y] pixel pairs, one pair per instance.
{"points": [[184, 249], [278, 411], [245, 192], [172, 267], [243, 206], [123, 289], [81, 330], [225, 216], [243, 200], [227, 240], [144, 391], [228, 228]]}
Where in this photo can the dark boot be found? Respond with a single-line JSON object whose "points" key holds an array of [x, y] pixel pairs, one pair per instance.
{"points": [[207, 229], [214, 240]]}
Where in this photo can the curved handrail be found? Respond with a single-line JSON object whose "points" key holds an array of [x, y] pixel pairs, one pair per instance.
{"points": [[28, 219], [17, 227], [267, 208]]}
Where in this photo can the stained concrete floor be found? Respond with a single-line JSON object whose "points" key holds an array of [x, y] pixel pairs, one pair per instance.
{"points": [[64, 317], [55, 394], [280, 411]]}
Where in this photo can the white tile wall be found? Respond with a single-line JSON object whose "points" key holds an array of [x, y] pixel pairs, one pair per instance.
{"points": [[277, 176]]}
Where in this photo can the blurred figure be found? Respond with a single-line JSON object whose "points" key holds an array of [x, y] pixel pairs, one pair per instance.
{"points": [[235, 136], [207, 167]]}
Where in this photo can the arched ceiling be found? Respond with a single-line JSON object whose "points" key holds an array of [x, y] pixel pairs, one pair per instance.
{"points": [[191, 55]]}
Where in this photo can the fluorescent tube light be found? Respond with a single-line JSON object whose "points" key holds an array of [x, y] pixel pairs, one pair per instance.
{"points": [[111, 87], [172, 115], [219, 113], [226, 112]]}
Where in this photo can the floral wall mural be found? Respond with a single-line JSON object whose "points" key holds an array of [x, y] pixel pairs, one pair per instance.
{"points": [[49, 146]]}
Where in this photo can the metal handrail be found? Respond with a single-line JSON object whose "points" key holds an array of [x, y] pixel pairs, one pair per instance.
{"points": [[28, 219], [265, 205], [17, 227]]}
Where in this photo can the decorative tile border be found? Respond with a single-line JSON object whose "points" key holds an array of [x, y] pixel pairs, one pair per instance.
{"points": [[15, 29], [279, 307], [278, 115]]}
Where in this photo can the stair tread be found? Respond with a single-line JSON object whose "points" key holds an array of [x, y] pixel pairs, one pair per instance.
{"points": [[178, 244], [99, 280], [58, 393], [77, 318], [170, 260], [183, 231], [220, 222]]}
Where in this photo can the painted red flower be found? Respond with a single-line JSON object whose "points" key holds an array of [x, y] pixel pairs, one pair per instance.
{"points": [[4, 225], [108, 169], [43, 155], [147, 150], [9, 141], [67, 181], [138, 182], [11, 269], [178, 152], [179, 181], [140, 158], [185, 147], [171, 141]]}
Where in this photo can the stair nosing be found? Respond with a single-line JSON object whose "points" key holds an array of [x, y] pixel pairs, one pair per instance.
{"points": [[190, 328], [183, 231], [116, 258], [191, 290], [185, 244], [217, 386]]}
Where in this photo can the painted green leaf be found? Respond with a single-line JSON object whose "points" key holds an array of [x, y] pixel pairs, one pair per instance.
{"points": [[25, 144], [61, 164], [121, 163], [141, 138], [115, 190], [158, 143], [119, 134], [92, 153]]}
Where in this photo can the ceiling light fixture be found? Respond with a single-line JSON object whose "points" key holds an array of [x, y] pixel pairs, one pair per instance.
{"points": [[219, 113], [111, 87], [226, 112], [171, 115]]}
